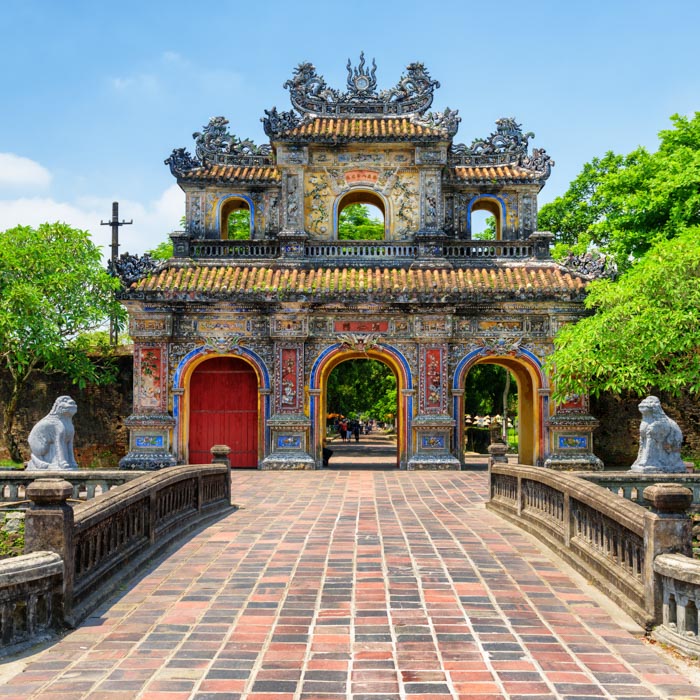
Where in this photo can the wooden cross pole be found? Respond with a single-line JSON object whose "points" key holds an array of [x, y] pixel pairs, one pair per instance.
{"points": [[115, 224]]}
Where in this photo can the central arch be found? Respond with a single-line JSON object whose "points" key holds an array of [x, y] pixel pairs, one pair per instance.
{"points": [[335, 355], [361, 195]]}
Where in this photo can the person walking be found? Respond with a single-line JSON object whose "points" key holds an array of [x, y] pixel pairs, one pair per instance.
{"points": [[356, 431]]}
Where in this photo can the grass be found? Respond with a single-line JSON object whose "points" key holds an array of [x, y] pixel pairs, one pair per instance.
{"points": [[9, 464]]}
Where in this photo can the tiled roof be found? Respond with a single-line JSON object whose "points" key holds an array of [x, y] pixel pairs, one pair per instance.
{"points": [[369, 129], [496, 172], [234, 172], [244, 282]]}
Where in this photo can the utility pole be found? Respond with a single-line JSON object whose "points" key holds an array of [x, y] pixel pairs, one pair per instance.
{"points": [[115, 224]]}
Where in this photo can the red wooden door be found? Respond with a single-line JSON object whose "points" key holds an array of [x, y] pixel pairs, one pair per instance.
{"points": [[224, 411]]}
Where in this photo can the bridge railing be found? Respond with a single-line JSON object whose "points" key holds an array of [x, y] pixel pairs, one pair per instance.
{"points": [[86, 483], [77, 555], [613, 541]]}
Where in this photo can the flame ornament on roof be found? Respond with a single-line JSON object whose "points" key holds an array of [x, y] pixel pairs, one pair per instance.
{"points": [[506, 146], [214, 145], [311, 96]]}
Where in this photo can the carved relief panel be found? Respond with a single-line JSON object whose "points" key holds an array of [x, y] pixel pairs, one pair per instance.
{"points": [[150, 377], [433, 379], [294, 201], [194, 214], [289, 382], [430, 199]]}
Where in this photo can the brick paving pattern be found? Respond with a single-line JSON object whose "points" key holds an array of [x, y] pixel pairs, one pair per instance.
{"points": [[352, 584]]}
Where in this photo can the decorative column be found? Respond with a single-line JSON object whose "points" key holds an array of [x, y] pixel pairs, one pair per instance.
{"points": [[290, 161], [431, 236], [571, 435], [290, 428], [433, 426], [150, 425]]}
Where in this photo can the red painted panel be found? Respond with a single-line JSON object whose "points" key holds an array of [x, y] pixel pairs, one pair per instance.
{"points": [[224, 411]]}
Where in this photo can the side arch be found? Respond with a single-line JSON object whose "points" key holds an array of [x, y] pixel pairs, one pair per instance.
{"points": [[226, 205], [333, 356], [181, 384], [491, 203], [533, 400]]}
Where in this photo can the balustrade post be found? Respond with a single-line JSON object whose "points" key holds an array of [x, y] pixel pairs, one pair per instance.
{"points": [[567, 521], [521, 496], [219, 455], [152, 515], [49, 526], [667, 530]]}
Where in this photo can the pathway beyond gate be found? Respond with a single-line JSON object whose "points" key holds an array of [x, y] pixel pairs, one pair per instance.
{"points": [[352, 583]]}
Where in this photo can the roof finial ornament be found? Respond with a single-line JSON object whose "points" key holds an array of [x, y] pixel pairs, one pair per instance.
{"points": [[362, 82]]}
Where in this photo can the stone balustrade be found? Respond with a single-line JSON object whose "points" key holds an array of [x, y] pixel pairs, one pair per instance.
{"points": [[31, 599], [612, 541], [77, 554], [680, 591], [631, 485], [87, 483], [360, 252]]}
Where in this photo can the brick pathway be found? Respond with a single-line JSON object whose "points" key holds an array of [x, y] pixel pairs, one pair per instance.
{"points": [[359, 584]]}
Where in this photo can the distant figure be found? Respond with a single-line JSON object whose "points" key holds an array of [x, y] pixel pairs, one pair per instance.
{"points": [[660, 440], [356, 431], [51, 439], [343, 430]]}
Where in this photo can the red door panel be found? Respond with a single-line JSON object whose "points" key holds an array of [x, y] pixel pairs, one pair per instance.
{"points": [[224, 411]]}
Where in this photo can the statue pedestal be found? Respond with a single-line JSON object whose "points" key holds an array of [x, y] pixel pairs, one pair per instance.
{"points": [[149, 442], [572, 437], [289, 443], [432, 436]]}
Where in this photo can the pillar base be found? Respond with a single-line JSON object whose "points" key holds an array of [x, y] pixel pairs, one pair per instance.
{"points": [[286, 461]]}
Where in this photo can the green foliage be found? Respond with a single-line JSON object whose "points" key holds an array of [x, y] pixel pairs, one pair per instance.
{"points": [[53, 291], [355, 224], [623, 205], [489, 232], [163, 251], [483, 394], [362, 387], [645, 333], [239, 225], [11, 541]]}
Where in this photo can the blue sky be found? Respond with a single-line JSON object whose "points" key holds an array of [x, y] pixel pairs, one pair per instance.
{"points": [[95, 95]]}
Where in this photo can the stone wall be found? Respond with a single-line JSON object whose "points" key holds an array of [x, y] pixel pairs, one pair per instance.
{"points": [[100, 436], [616, 441]]}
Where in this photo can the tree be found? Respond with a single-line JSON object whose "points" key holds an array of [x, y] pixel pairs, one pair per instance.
{"points": [[360, 387], [645, 333], [239, 225], [53, 293], [623, 205], [163, 251], [355, 224]]}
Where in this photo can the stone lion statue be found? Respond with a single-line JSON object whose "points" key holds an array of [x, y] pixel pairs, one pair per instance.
{"points": [[660, 440], [51, 439]]}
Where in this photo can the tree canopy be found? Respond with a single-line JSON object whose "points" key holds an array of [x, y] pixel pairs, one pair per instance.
{"points": [[645, 332], [355, 224], [54, 291], [362, 387], [624, 205]]}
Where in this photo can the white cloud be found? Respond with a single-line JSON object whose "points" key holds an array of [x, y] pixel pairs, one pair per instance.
{"points": [[153, 221], [18, 172]]}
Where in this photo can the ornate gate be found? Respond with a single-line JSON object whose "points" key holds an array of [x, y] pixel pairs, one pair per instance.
{"points": [[224, 411]]}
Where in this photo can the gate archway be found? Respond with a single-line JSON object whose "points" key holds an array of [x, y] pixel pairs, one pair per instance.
{"points": [[223, 410], [337, 354], [533, 401]]}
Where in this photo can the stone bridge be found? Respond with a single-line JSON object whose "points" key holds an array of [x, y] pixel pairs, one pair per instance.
{"points": [[354, 583]]}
